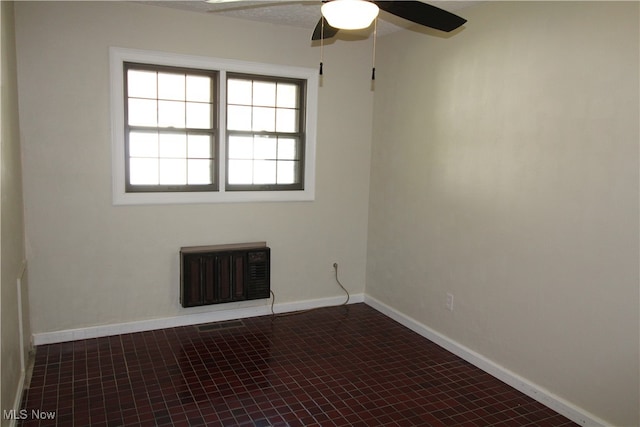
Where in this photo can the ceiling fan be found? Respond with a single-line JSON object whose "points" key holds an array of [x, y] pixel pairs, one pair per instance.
{"points": [[357, 14], [338, 11]]}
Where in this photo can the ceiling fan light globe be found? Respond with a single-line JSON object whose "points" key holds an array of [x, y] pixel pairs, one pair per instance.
{"points": [[350, 14]]}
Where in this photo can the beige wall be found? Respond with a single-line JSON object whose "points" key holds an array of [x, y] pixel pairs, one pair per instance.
{"points": [[505, 172], [11, 214], [92, 263]]}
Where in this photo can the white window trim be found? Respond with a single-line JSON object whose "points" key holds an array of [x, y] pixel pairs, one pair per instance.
{"points": [[117, 56]]}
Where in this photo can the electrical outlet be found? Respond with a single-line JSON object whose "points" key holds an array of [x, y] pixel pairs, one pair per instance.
{"points": [[449, 303]]}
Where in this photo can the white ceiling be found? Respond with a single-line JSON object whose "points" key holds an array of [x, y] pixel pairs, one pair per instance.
{"points": [[301, 13]]}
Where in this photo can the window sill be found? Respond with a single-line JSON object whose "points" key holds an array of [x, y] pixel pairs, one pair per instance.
{"points": [[211, 197]]}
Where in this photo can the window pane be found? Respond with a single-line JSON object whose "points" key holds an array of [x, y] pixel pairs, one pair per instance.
{"points": [[143, 112], [264, 172], [240, 147], [263, 107], [264, 93], [171, 86], [287, 148], [240, 172], [287, 172], [239, 91], [286, 120], [264, 119], [198, 88], [198, 115], [143, 144], [171, 114], [199, 171], [199, 146], [173, 145], [264, 148], [239, 118], [141, 84], [161, 104], [143, 171], [287, 95], [173, 171]]}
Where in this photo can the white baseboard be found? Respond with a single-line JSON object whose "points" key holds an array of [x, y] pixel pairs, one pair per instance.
{"points": [[18, 399], [550, 400], [218, 315]]}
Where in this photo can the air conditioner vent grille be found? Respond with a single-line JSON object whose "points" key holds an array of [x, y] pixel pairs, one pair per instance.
{"points": [[225, 273]]}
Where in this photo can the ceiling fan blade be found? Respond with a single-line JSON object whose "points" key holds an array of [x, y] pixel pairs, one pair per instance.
{"points": [[328, 32], [423, 14]]}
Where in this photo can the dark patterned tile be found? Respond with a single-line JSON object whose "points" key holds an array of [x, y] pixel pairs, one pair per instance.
{"points": [[341, 366]]}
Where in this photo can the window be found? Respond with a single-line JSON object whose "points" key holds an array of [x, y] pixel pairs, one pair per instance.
{"points": [[169, 129], [265, 140], [201, 130]]}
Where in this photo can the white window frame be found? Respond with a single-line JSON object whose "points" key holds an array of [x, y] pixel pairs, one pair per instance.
{"points": [[117, 57]]}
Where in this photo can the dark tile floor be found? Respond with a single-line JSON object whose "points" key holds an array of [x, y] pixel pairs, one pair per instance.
{"points": [[342, 366]]}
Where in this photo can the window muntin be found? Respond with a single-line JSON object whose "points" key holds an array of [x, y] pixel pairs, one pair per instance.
{"points": [[265, 141], [170, 129]]}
